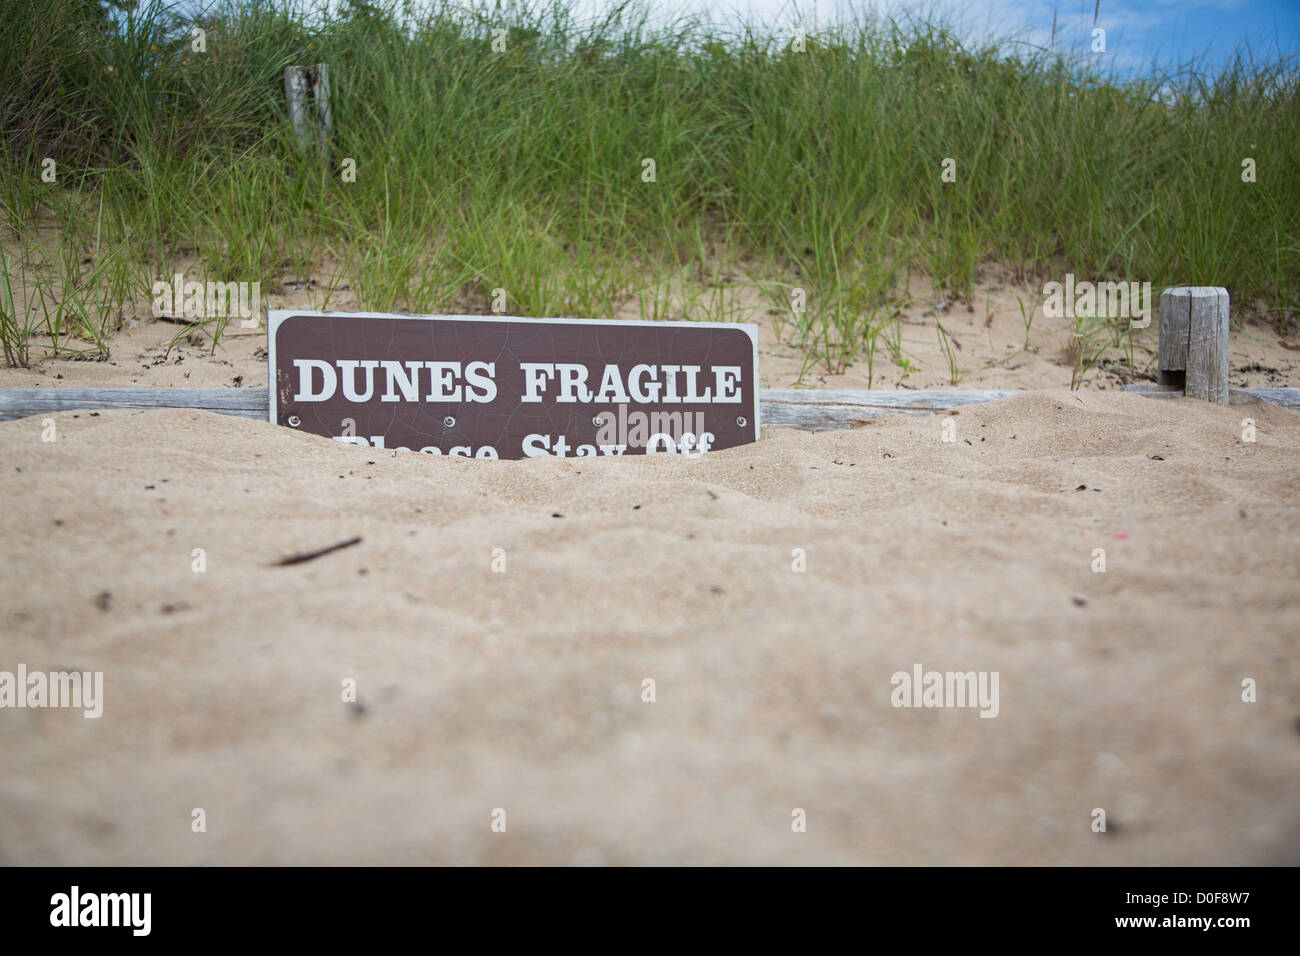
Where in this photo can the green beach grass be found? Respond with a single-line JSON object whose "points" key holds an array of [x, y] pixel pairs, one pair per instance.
{"points": [[525, 168]]}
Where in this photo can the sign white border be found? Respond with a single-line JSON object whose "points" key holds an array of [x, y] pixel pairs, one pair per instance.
{"points": [[275, 316]]}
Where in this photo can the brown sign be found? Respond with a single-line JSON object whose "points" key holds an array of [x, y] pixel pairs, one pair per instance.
{"points": [[480, 387]]}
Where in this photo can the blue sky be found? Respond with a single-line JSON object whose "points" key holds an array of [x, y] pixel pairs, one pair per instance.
{"points": [[1137, 31]]}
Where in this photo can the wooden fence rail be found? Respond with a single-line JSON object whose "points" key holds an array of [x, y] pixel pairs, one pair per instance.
{"points": [[799, 408]]}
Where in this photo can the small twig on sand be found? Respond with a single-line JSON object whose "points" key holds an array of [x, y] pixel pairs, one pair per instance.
{"points": [[313, 555]]}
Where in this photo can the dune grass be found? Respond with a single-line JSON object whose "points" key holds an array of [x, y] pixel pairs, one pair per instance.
{"points": [[521, 172]]}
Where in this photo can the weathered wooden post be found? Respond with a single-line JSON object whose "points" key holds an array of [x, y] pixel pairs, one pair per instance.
{"points": [[307, 90], [1194, 350]]}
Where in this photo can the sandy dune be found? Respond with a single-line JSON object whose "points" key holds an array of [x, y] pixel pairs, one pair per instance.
{"points": [[522, 690], [988, 337]]}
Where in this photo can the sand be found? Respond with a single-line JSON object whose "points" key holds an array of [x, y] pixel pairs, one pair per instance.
{"points": [[522, 690], [988, 337]]}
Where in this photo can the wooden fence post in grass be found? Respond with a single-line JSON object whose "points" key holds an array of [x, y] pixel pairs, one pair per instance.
{"points": [[1194, 342], [307, 89]]}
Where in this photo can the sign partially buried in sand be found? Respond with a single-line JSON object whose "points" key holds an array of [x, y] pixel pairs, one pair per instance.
{"points": [[485, 387]]}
